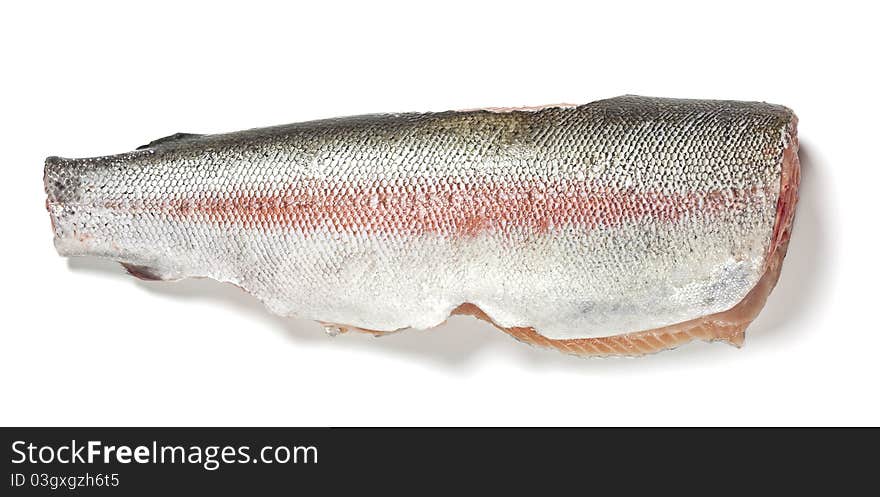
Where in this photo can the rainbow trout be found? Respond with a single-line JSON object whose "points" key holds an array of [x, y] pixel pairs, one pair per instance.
{"points": [[619, 227]]}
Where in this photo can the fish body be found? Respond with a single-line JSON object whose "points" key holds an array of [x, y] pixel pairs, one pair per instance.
{"points": [[616, 224]]}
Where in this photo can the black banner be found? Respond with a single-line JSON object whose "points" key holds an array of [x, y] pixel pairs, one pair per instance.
{"points": [[147, 461]]}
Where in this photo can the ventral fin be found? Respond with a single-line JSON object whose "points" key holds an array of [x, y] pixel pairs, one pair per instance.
{"points": [[169, 139], [144, 272]]}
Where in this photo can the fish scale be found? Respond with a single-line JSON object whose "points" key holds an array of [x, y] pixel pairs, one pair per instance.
{"points": [[621, 217]]}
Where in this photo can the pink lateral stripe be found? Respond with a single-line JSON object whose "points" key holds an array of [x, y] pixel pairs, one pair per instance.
{"points": [[458, 209]]}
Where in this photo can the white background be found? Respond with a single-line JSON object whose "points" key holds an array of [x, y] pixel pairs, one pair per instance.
{"points": [[85, 344]]}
